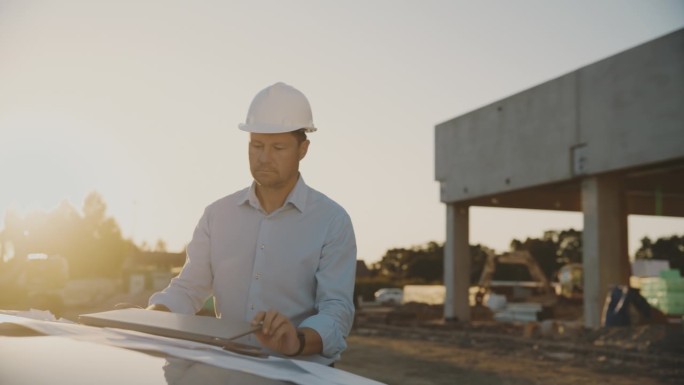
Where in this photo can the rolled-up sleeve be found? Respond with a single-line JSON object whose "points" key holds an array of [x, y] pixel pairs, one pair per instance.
{"points": [[189, 290], [335, 278]]}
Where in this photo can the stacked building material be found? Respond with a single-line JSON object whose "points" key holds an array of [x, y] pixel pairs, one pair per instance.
{"points": [[665, 292]]}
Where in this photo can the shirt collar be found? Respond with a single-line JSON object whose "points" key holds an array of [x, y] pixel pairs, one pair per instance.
{"points": [[297, 196]]}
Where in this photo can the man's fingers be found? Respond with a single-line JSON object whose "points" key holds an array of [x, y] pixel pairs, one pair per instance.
{"points": [[271, 321], [279, 323], [259, 317], [279, 332]]}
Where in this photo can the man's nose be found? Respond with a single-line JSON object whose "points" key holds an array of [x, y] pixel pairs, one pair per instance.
{"points": [[265, 155]]}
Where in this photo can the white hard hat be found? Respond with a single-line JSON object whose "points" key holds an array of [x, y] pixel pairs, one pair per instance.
{"points": [[278, 108]]}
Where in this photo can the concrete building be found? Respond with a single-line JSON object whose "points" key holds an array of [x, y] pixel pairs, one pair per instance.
{"points": [[606, 140]]}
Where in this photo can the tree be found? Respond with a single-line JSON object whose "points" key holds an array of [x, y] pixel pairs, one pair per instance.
{"points": [[425, 263], [670, 249], [94, 212], [569, 247], [543, 250], [91, 242], [105, 246], [160, 246], [393, 264]]}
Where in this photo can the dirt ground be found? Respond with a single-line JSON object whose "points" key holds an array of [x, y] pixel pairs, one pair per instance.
{"points": [[434, 353], [397, 361], [427, 351]]}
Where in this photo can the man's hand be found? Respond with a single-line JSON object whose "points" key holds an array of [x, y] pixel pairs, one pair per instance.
{"points": [[277, 332], [157, 306]]}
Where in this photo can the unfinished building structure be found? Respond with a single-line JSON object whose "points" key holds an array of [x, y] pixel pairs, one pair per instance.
{"points": [[606, 140]]}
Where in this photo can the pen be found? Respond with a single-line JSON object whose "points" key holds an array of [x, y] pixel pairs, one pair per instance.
{"points": [[253, 329]]}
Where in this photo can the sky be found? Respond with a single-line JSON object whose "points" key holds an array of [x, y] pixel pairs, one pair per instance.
{"points": [[140, 101]]}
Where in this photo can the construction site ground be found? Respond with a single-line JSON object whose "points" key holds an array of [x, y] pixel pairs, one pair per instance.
{"points": [[412, 344], [391, 347]]}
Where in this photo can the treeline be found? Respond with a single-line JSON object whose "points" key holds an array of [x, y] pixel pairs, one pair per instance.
{"points": [[89, 240], [425, 263], [93, 245]]}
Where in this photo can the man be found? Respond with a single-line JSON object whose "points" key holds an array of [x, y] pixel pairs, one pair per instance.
{"points": [[278, 252]]}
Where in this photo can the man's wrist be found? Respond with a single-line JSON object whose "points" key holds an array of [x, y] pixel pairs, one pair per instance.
{"points": [[301, 337]]}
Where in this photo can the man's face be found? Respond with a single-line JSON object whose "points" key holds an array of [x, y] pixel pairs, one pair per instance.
{"points": [[274, 158]]}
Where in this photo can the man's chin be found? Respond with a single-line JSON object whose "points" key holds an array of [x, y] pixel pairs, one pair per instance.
{"points": [[265, 181]]}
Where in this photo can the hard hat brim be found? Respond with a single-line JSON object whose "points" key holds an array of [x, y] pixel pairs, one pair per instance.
{"points": [[260, 128]]}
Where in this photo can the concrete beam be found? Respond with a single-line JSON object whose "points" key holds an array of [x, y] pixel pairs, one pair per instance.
{"points": [[621, 113]]}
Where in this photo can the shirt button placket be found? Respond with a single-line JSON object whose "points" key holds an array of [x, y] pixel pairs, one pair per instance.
{"points": [[258, 265], [257, 274]]}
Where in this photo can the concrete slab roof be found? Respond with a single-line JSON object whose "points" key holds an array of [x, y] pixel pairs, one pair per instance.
{"points": [[623, 115]]}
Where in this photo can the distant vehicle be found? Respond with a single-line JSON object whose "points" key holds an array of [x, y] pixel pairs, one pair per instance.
{"points": [[389, 296], [517, 276]]}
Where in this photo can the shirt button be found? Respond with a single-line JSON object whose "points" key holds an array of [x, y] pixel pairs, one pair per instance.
{"points": [[257, 275], [262, 246]]}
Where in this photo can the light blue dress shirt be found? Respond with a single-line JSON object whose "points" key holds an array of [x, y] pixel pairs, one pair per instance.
{"points": [[299, 260]]}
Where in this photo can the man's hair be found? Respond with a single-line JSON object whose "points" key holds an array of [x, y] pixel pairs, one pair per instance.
{"points": [[300, 135]]}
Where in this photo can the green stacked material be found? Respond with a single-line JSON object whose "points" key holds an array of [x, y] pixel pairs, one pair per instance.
{"points": [[665, 292]]}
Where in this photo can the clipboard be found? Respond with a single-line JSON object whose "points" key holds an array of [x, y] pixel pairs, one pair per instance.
{"points": [[208, 330]]}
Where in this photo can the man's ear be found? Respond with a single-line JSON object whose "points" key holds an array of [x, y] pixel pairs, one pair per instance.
{"points": [[303, 149]]}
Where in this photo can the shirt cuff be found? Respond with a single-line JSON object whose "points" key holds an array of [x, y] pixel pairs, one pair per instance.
{"points": [[333, 341]]}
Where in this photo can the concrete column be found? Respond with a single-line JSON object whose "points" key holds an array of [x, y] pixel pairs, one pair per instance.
{"points": [[457, 264], [604, 243]]}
